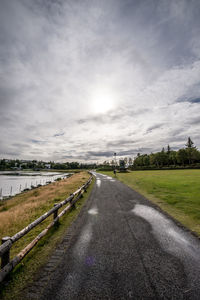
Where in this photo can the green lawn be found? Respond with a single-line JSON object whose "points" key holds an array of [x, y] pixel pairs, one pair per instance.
{"points": [[176, 191]]}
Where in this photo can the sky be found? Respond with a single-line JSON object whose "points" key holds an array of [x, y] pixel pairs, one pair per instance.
{"points": [[82, 79]]}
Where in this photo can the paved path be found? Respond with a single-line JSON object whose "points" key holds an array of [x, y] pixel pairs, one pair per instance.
{"points": [[124, 248]]}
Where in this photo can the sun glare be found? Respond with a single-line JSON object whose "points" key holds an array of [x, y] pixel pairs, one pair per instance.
{"points": [[102, 102]]}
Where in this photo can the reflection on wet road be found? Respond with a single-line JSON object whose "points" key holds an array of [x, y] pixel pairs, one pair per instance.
{"points": [[174, 240]]}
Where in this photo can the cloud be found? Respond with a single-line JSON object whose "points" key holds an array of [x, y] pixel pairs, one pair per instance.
{"points": [[190, 100], [100, 154], [95, 155], [157, 126], [37, 142], [195, 121], [195, 100], [60, 58], [114, 115], [58, 134], [120, 143]]}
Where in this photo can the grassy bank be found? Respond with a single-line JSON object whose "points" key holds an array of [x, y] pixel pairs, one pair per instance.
{"points": [[175, 191], [18, 212]]}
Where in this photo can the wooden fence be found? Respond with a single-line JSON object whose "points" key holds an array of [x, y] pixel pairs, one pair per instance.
{"points": [[6, 265]]}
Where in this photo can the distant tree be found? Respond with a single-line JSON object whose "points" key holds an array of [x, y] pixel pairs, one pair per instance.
{"points": [[2, 164], [146, 160], [189, 149], [74, 165], [168, 154], [17, 164], [169, 157], [161, 158], [195, 155], [152, 159], [11, 164], [189, 143], [172, 158], [24, 166], [112, 162], [182, 156], [168, 149], [138, 161]]}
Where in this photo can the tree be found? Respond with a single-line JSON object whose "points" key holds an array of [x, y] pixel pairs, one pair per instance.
{"points": [[190, 147], [189, 143], [168, 149], [182, 156], [112, 162], [172, 158], [138, 161], [2, 164], [146, 160], [168, 155], [195, 155], [161, 158]]}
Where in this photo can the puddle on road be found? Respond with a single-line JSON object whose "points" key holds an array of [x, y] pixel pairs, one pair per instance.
{"points": [[167, 232], [93, 211], [174, 240], [98, 182], [74, 278], [83, 242]]}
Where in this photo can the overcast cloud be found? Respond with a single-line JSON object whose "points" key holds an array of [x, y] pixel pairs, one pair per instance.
{"points": [[82, 79]]}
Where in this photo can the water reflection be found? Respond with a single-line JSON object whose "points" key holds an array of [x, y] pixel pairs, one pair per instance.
{"points": [[12, 183]]}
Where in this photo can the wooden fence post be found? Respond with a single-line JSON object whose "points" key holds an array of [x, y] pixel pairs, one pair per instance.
{"points": [[5, 259], [71, 202], [55, 214]]}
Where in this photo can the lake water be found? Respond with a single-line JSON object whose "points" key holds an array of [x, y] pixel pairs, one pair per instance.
{"points": [[12, 183]]}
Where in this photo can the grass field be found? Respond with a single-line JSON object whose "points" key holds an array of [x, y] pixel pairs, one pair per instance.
{"points": [[175, 191], [21, 210]]}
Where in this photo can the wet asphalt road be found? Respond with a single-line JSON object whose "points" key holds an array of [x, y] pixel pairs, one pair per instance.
{"points": [[124, 248]]}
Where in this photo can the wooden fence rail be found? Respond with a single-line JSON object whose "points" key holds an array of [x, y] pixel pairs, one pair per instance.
{"points": [[6, 265]]}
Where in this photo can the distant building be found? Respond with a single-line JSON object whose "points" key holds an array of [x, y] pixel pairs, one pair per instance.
{"points": [[47, 166], [122, 165]]}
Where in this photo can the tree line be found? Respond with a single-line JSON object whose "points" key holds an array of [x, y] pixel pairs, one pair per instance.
{"points": [[188, 156], [12, 164]]}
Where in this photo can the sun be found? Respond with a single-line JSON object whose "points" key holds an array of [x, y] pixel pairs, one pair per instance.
{"points": [[102, 101]]}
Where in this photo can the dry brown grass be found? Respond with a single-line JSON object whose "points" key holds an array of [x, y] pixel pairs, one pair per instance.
{"points": [[22, 209], [30, 202]]}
